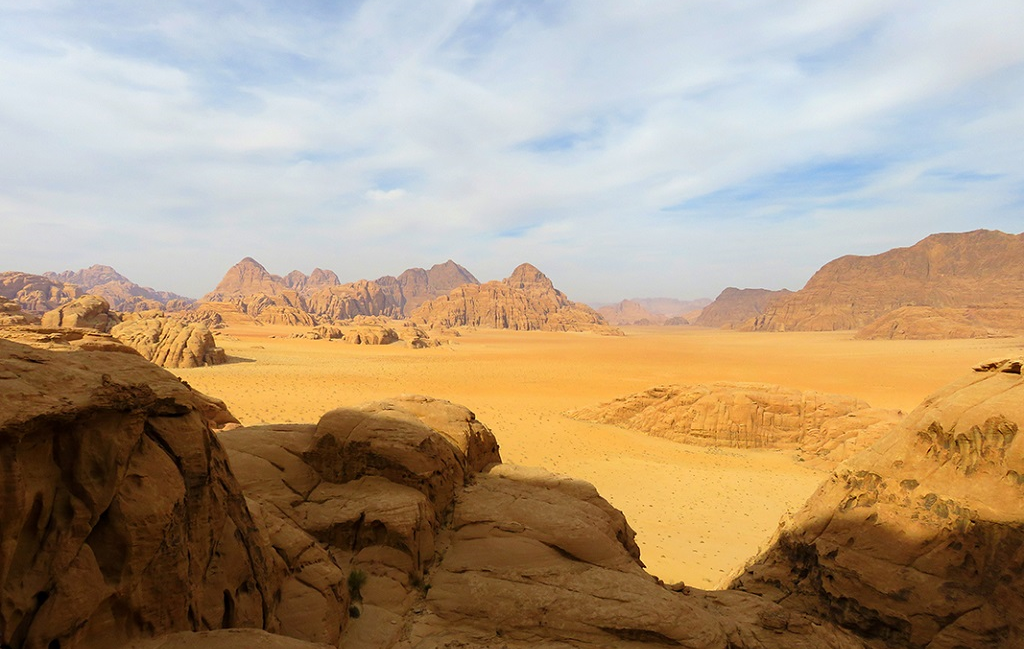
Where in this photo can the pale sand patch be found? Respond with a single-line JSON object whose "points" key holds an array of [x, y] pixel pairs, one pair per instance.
{"points": [[699, 512]]}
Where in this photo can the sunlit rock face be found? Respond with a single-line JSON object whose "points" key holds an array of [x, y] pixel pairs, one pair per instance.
{"points": [[919, 541]]}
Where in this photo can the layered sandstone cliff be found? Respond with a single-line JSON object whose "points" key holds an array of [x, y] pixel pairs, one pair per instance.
{"points": [[983, 268], [524, 301], [917, 542]]}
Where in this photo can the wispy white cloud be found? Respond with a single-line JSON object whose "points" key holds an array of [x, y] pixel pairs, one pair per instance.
{"points": [[655, 146]]}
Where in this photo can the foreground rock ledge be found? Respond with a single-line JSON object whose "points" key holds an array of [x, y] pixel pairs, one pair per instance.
{"points": [[919, 541], [122, 521]]}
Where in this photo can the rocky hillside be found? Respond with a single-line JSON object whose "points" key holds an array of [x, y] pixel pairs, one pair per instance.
{"points": [[983, 269], [297, 299], [824, 428], [917, 542], [389, 525], [933, 323], [525, 301], [734, 308], [35, 294], [120, 292]]}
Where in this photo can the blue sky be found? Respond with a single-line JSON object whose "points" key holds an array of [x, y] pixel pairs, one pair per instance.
{"points": [[628, 149]]}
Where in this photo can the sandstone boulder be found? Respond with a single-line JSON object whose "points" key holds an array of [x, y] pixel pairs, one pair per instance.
{"points": [[170, 342], [826, 428], [86, 312], [121, 518], [917, 542]]}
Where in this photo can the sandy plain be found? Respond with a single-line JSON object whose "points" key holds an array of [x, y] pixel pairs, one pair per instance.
{"points": [[699, 512]]}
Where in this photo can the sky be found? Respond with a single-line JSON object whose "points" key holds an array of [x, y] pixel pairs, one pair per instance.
{"points": [[627, 148]]}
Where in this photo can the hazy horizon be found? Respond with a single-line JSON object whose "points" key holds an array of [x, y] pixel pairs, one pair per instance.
{"points": [[654, 149]]}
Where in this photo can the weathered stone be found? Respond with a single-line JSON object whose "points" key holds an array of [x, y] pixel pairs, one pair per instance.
{"points": [[826, 428], [918, 541], [86, 312], [170, 342]]}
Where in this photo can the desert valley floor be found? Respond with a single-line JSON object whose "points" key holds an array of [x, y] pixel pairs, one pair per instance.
{"points": [[699, 512]]}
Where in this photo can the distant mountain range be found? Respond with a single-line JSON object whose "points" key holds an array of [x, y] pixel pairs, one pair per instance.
{"points": [[947, 285]]}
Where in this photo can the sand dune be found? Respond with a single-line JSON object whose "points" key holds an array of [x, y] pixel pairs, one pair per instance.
{"points": [[699, 512]]}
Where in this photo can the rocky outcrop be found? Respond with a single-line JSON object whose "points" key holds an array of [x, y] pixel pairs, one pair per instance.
{"points": [[120, 292], [979, 269], [917, 542], [525, 301], [825, 428], [369, 330], [931, 323], [460, 550], [247, 277], [296, 299], [170, 342], [734, 308], [11, 313], [86, 312], [419, 285], [346, 301], [121, 518], [36, 294]]}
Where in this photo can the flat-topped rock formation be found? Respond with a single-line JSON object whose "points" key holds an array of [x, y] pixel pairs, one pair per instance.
{"points": [[524, 301], [983, 268], [917, 542], [734, 308], [826, 428], [120, 292], [630, 312]]}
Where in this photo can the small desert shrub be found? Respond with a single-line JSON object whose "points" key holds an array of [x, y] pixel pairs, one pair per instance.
{"points": [[356, 581]]}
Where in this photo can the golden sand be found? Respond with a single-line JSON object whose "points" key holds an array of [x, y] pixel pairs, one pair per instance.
{"points": [[699, 512]]}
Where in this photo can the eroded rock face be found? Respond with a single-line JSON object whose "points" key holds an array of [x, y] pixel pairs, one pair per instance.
{"points": [[983, 268], [86, 312], [120, 516], [827, 428], [918, 541], [419, 285], [931, 323], [525, 301], [36, 294], [11, 313], [735, 307], [170, 342], [460, 550]]}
